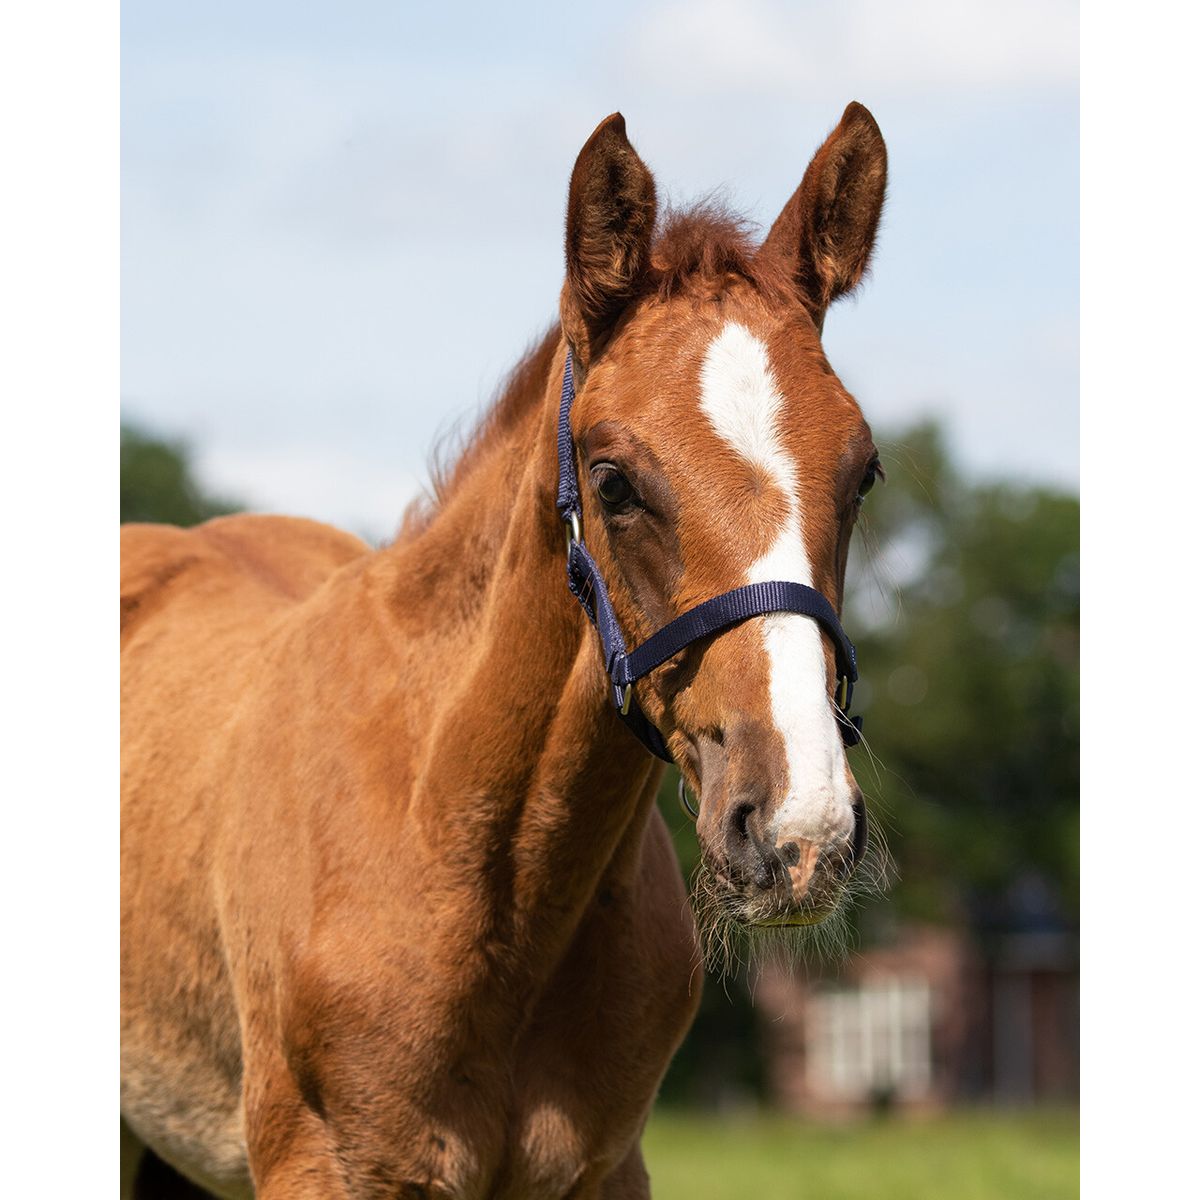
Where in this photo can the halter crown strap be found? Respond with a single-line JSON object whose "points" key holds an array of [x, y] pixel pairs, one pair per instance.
{"points": [[568, 481], [712, 616]]}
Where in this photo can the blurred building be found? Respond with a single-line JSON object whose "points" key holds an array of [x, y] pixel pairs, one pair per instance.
{"points": [[929, 1016]]}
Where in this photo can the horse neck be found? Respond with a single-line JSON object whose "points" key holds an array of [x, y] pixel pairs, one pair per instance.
{"points": [[527, 783]]}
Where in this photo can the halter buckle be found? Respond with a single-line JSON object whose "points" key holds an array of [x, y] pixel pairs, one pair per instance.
{"points": [[624, 698], [574, 531]]}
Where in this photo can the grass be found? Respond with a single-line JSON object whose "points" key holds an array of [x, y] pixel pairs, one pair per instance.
{"points": [[978, 1155]]}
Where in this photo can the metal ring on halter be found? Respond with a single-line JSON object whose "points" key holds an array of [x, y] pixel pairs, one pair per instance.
{"points": [[694, 813], [574, 532]]}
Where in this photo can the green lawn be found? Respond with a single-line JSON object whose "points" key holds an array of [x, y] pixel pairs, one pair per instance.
{"points": [[972, 1156]]}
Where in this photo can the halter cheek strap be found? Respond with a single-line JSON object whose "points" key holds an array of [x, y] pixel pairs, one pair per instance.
{"points": [[713, 616]]}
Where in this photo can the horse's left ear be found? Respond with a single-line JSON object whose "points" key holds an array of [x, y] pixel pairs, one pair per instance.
{"points": [[611, 209], [825, 234]]}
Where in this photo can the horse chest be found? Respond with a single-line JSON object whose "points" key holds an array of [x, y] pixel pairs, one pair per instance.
{"points": [[551, 1148], [550, 1158], [475, 1108]]}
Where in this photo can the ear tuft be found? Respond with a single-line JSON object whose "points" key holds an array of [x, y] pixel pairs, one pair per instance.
{"points": [[826, 232], [611, 211]]}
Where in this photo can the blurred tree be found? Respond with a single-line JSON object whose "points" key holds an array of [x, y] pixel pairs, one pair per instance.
{"points": [[157, 482], [970, 652]]}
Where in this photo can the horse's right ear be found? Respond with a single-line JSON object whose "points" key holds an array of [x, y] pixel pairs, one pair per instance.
{"points": [[611, 210]]}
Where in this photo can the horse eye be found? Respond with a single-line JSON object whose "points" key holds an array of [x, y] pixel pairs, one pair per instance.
{"points": [[615, 490], [874, 472]]}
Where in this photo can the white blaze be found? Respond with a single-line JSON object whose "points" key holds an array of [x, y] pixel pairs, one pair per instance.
{"points": [[739, 396]]}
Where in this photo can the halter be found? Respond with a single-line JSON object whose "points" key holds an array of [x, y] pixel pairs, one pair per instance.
{"points": [[625, 668]]}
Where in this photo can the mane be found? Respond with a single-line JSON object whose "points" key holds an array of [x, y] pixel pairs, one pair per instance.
{"points": [[700, 250]]}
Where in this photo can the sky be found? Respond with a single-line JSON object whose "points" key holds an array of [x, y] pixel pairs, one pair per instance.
{"points": [[342, 223]]}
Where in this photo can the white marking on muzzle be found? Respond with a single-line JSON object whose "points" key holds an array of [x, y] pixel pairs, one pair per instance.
{"points": [[739, 396]]}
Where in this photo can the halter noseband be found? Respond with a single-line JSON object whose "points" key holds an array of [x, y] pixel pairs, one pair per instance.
{"points": [[625, 668]]}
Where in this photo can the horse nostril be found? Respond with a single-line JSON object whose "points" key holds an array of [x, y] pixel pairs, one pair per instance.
{"points": [[750, 859]]}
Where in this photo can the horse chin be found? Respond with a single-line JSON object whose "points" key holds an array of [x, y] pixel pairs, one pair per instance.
{"points": [[792, 919], [737, 925], [770, 912]]}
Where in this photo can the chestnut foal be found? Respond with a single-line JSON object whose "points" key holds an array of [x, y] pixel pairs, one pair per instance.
{"points": [[399, 916]]}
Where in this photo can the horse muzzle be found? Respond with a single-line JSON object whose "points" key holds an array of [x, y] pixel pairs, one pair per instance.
{"points": [[773, 873]]}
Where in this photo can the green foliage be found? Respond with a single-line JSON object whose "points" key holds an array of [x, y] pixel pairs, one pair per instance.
{"points": [[157, 482], [970, 658]]}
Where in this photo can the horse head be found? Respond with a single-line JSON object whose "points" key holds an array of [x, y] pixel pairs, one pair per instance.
{"points": [[718, 448]]}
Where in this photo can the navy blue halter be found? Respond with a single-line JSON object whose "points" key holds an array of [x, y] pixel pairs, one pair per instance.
{"points": [[625, 668]]}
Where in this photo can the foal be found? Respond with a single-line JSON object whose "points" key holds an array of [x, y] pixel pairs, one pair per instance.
{"points": [[399, 916]]}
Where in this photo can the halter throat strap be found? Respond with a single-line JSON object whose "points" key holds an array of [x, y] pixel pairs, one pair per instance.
{"points": [[713, 616]]}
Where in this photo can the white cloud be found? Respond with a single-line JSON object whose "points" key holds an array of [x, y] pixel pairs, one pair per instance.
{"points": [[807, 51]]}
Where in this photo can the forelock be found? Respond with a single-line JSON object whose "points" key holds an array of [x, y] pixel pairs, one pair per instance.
{"points": [[706, 248]]}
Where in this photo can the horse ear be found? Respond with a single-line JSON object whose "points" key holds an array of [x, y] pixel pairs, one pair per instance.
{"points": [[611, 209], [825, 234]]}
